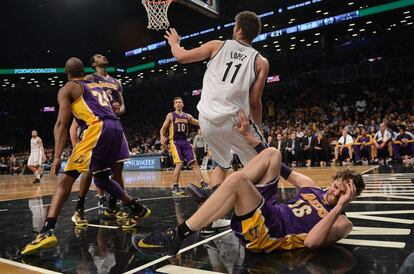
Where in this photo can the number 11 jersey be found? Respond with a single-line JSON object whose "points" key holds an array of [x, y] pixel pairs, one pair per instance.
{"points": [[227, 81]]}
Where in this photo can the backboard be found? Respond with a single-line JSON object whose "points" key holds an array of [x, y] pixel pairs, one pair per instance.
{"points": [[206, 7]]}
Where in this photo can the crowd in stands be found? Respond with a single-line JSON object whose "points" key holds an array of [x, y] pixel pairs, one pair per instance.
{"points": [[362, 122]]}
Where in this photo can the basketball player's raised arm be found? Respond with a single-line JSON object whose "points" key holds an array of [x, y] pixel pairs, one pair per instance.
{"points": [[255, 99], [73, 132], [334, 226], [184, 56], [165, 125], [192, 120], [120, 99], [64, 118]]}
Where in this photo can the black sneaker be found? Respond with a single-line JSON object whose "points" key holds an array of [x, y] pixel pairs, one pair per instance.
{"points": [[158, 243], [200, 194], [36, 181]]}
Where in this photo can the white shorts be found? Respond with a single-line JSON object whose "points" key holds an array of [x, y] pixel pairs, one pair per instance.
{"points": [[224, 140], [35, 159]]}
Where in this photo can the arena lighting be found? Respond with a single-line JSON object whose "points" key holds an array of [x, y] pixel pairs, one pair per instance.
{"points": [[302, 27]]}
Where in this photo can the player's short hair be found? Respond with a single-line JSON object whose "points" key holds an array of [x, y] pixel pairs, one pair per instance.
{"points": [[177, 98], [92, 60], [356, 177], [250, 24]]}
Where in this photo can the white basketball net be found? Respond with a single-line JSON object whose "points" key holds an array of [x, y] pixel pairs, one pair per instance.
{"points": [[157, 13]]}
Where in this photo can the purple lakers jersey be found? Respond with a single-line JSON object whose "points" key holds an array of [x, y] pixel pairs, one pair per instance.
{"points": [[110, 85], [282, 226], [92, 106], [364, 139], [179, 126]]}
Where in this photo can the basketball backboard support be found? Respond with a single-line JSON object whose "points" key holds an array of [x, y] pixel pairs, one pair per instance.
{"points": [[206, 7]]}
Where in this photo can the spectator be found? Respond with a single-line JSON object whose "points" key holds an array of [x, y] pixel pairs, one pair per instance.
{"points": [[199, 146], [381, 140], [321, 150], [343, 149], [403, 144], [363, 147]]}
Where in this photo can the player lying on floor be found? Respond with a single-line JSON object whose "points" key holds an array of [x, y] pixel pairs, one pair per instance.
{"points": [[312, 218]]}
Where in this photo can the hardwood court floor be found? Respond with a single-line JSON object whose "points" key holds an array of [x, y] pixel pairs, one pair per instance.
{"points": [[21, 187], [380, 242]]}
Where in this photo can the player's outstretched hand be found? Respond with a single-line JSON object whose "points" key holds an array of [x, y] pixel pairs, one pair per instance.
{"points": [[349, 194], [243, 125], [55, 167], [172, 36]]}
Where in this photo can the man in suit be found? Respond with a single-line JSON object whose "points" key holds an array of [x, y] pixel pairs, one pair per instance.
{"points": [[294, 150], [308, 147], [280, 144]]}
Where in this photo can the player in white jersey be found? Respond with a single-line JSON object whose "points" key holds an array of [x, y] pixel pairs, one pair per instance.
{"points": [[234, 80], [37, 156]]}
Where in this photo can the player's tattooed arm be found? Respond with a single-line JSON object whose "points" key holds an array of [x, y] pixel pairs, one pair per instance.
{"points": [[164, 127], [205, 51], [67, 94]]}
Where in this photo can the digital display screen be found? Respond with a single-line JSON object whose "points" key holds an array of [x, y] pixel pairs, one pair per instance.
{"points": [[48, 109], [273, 79]]}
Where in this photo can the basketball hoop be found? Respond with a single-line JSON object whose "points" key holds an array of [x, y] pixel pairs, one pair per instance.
{"points": [[157, 13]]}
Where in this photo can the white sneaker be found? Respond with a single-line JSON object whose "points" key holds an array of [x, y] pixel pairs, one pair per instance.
{"points": [[220, 224]]}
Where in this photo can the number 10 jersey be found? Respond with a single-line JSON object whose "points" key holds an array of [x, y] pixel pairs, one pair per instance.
{"points": [[227, 81]]}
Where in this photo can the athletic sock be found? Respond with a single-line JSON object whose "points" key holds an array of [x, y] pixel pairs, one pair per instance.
{"points": [[184, 230], [80, 206], [50, 223], [137, 208], [112, 203]]}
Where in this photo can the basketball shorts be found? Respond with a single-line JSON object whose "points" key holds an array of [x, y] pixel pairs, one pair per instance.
{"points": [[103, 144], [35, 158], [224, 140], [262, 229], [182, 150]]}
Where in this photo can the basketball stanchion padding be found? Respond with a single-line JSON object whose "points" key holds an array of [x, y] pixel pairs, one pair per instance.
{"points": [[157, 11]]}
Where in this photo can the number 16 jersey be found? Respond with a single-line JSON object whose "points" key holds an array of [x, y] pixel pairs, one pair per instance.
{"points": [[227, 82]]}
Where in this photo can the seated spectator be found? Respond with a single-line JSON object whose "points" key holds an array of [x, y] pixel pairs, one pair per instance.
{"points": [[343, 149], [293, 150], [381, 140], [403, 144], [4, 168], [363, 147], [14, 165], [308, 144], [321, 149]]}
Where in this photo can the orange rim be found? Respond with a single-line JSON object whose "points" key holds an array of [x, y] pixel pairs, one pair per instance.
{"points": [[158, 3]]}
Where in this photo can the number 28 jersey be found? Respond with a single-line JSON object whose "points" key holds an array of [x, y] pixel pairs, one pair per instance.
{"points": [[227, 82], [93, 105]]}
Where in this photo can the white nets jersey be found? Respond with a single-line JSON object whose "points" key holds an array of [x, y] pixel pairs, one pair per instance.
{"points": [[227, 82], [34, 145]]}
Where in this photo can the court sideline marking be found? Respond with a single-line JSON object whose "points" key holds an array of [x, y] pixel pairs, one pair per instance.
{"points": [[26, 266]]}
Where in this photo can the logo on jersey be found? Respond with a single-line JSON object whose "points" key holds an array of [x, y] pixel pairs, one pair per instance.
{"points": [[80, 159]]}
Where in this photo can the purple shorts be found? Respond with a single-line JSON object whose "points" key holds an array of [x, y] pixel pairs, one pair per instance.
{"points": [[253, 228], [182, 150], [103, 144]]}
